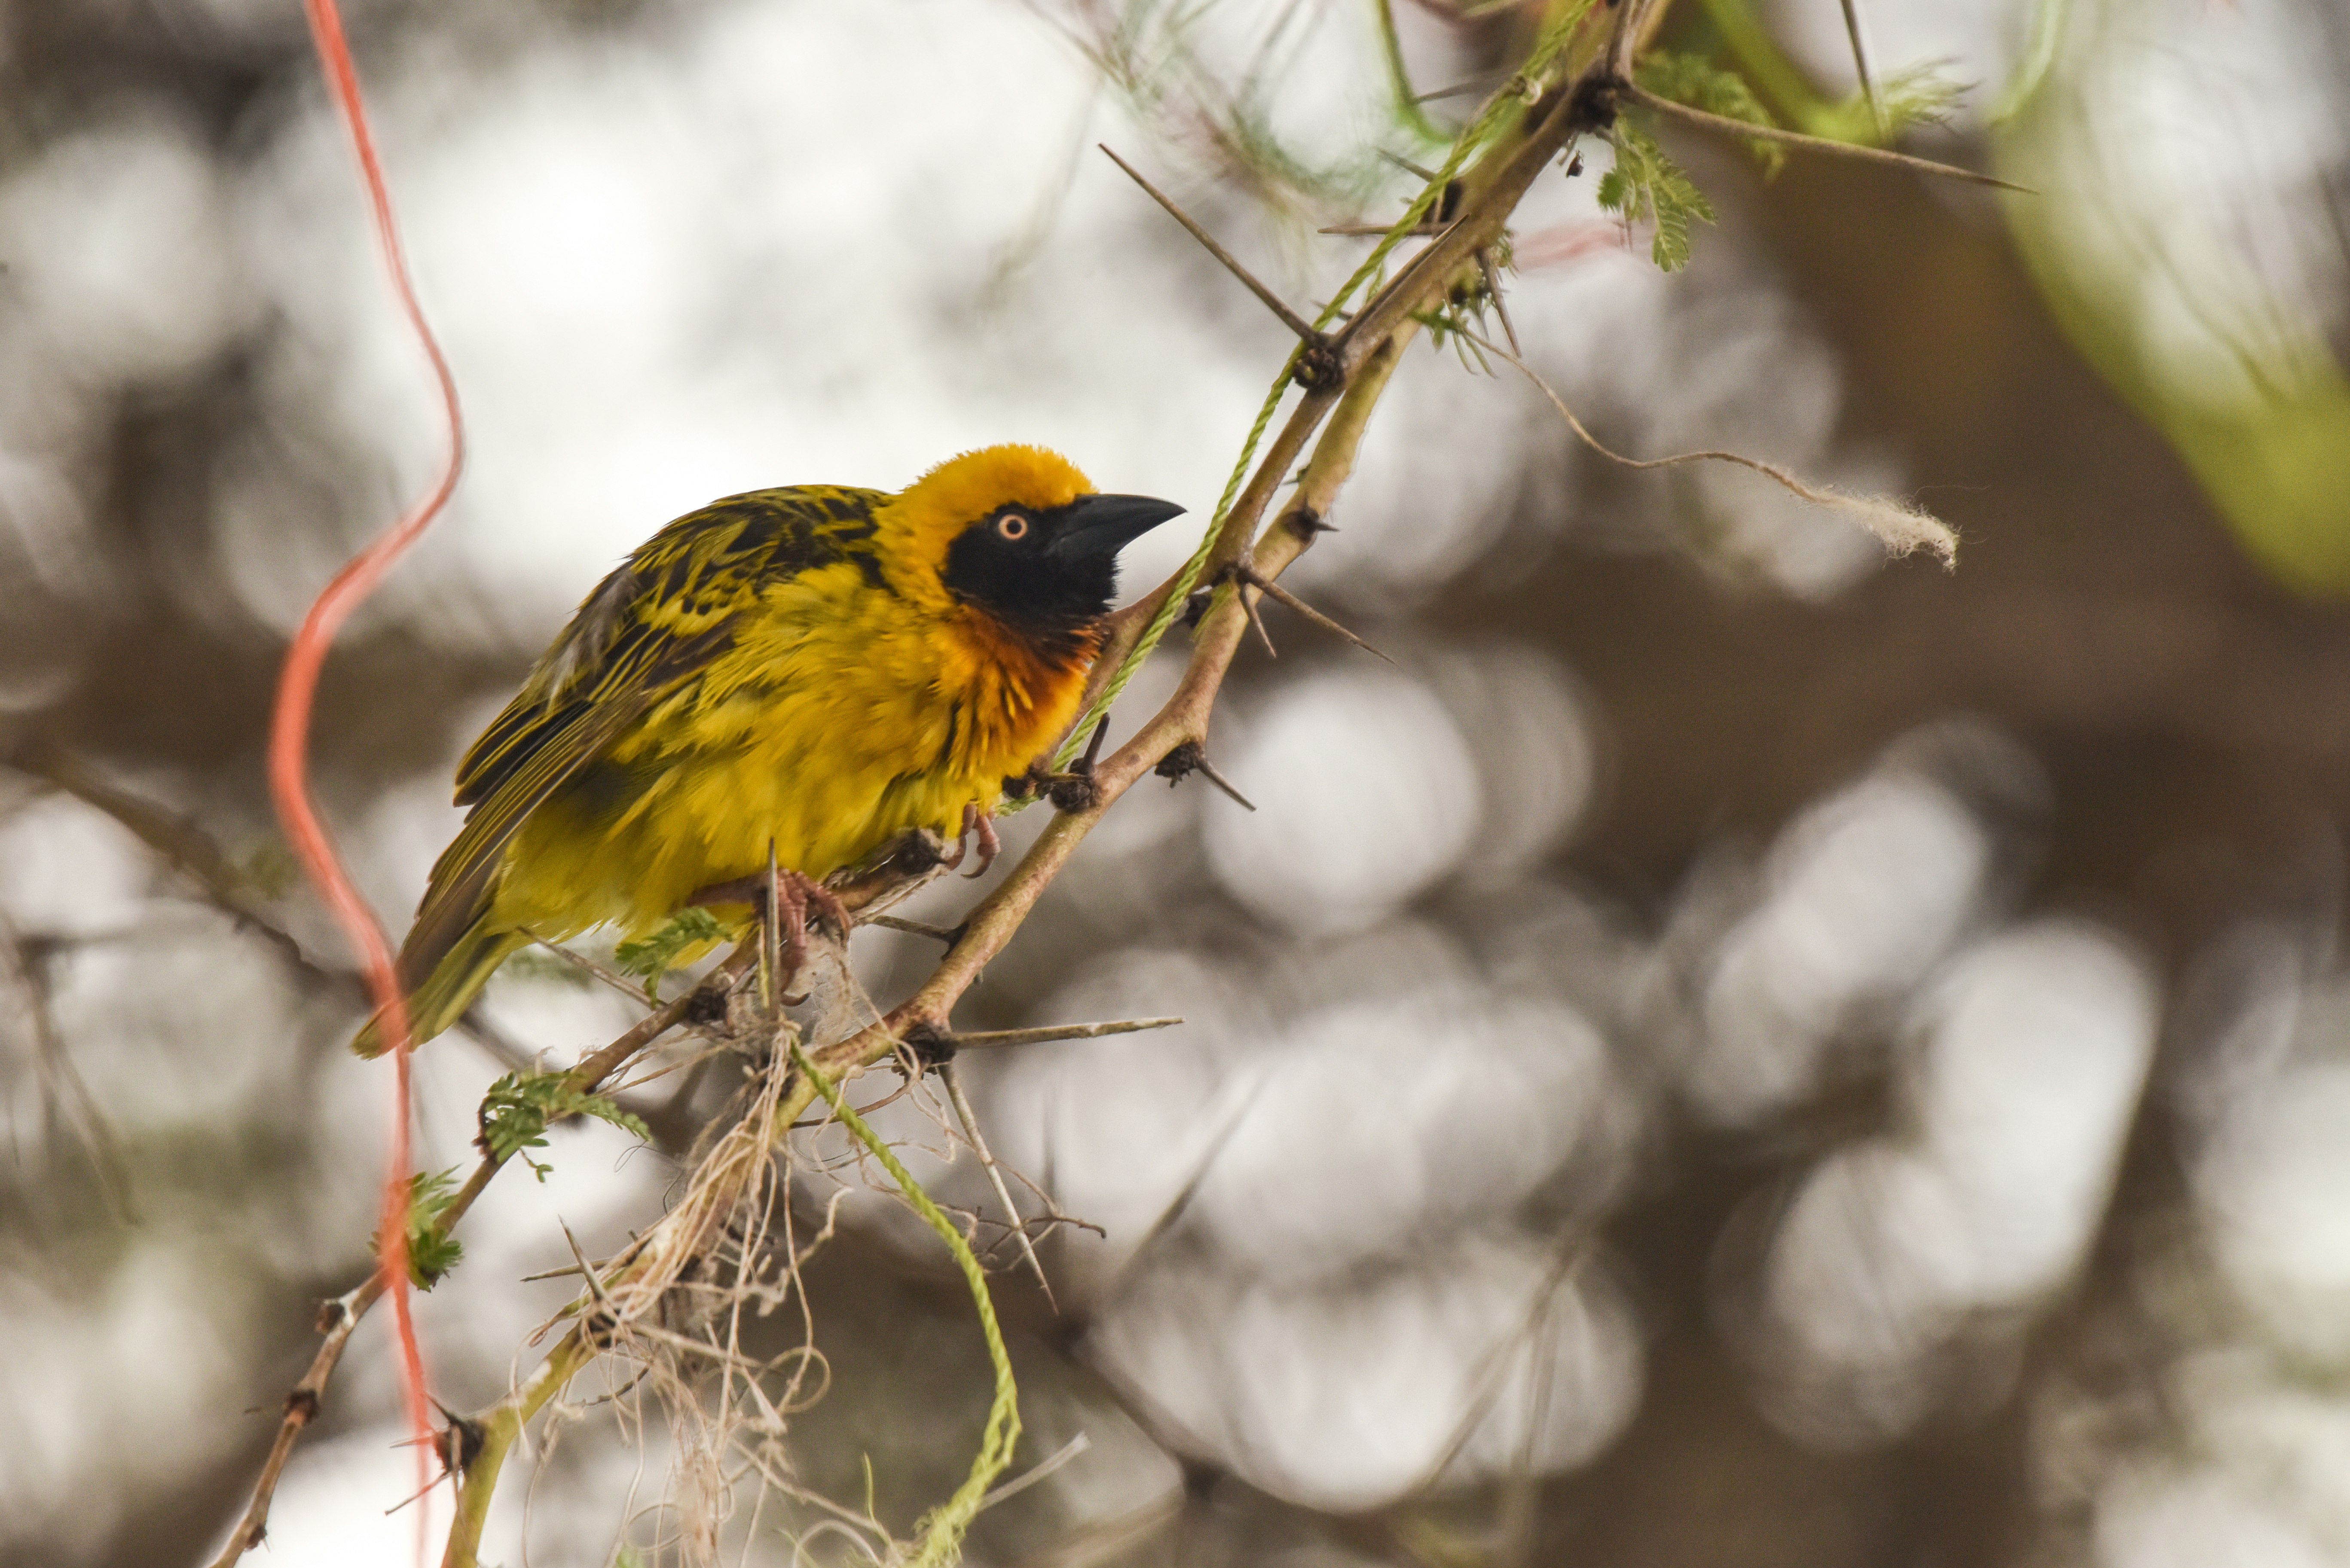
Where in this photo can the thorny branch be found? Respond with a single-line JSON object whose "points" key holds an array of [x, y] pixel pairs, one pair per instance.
{"points": [[1366, 352], [1341, 375], [881, 881]]}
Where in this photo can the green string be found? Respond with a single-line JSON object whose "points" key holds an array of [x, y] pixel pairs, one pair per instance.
{"points": [[1481, 131], [942, 1532]]}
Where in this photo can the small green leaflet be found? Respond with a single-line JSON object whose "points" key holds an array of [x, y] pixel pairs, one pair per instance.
{"points": [[1700, 84], [1922, 95], [515, 1112], [650, 958], [432, 1250], [1645, 184]]}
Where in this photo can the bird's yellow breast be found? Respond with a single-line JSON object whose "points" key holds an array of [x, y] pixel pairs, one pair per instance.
{"points": [[841, 715]]}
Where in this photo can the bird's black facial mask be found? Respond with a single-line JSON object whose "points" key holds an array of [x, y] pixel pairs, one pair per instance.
{"points": [[1049, 571]]}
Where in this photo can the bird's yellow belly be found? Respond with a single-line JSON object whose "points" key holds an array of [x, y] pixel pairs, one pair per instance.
{"points": [[821, 754]]}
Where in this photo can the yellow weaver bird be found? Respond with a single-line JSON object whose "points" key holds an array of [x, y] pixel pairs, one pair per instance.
{"points": [[807, 673]]}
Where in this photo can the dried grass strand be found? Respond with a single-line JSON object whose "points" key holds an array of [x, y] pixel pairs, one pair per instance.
{"points": [[1900, 526]]}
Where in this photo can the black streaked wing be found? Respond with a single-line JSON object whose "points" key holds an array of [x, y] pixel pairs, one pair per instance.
{"points": [[575, 734], [610, 663], [699, 566]]}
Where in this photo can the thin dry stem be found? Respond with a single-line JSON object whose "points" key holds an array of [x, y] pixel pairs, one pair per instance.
{"points": [[1857, 36], [918, 928], [597, 971], [1306, 331], [1899, 526], [1037, 1036], [964, 1113], [1834, 148], [64, 1095]]}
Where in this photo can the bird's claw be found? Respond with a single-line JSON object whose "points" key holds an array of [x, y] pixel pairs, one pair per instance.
{"points": [[793, 896], [975, 820]]}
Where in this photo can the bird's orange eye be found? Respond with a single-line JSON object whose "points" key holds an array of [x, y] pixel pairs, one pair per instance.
{"points": [[1012, 526]]}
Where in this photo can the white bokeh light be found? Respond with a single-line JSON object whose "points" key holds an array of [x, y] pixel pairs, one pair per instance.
{"points": [[2035, 1048], [116, 244], [1348, 1397], [1367, 794], [1863, 892], [1380, 1125], [2275, 1182]]}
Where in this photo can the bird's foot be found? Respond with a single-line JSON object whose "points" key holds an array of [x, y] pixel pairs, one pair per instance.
{"points": [[1074, 791], [976, 820], [791, 896]]}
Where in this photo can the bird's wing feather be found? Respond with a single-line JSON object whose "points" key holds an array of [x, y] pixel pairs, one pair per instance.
{"points": [[652, 624], [684, 579], [462, 877]]}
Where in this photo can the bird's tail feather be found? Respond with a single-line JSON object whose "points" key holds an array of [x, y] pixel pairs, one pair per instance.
{"points": [[444, 994]]}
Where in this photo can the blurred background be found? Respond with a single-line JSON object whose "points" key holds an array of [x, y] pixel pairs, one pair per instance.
{"points": [[1732, 1050]]}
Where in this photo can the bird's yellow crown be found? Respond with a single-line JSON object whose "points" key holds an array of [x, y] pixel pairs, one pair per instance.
{"points": [[916, 526]]}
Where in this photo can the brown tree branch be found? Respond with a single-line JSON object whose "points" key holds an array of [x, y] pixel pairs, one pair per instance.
{"points": [[644, 1274], [881, 881], [173, 839], [1584, 99]]}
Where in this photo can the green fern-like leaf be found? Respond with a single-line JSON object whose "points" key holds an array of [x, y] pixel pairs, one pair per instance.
{"points": [[1700, 84], [1677, 200], [1646, 184], [516, 1111], [650, 958], [1922, 95], [432, 1250]]}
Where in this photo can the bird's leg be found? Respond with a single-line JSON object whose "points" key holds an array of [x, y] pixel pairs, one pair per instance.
{"points": [[1074, 791], [787, 904], [794, 896], [798, 895], [976, 819]]}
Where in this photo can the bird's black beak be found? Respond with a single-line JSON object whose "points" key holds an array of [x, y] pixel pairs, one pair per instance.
{"points": [[1105, 524]]}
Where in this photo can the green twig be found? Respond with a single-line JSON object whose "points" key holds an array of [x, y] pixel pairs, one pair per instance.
{"points": [[942, 1533], [1479, 132], [1407, 102]]}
